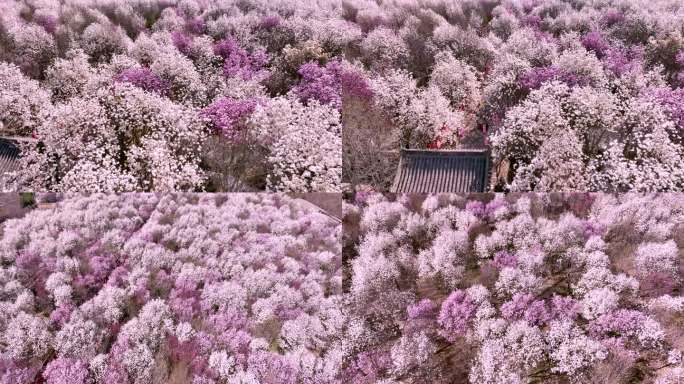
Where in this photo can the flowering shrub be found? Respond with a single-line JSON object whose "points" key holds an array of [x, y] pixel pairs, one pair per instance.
{"points": [[553, 288], [208, 62], [228, 116], [141, 288], [22, 102], [237, 61], [69, 77], [305, 142], [421, 116], [322, 84]]}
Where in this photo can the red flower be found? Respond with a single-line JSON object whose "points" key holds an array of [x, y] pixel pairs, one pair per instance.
{"points": [[436, 144]]}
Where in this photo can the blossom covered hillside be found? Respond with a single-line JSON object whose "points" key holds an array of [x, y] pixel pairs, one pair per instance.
{"points": [[577, 95], [486, 289], [167, 95], [144, 288]]}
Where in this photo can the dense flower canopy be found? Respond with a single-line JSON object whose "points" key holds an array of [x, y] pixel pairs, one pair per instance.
{"points": [[194, 288], [552, 288], [600, 80], [197, 70]]}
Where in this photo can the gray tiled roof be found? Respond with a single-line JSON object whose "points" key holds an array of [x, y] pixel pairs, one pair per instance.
{"points": [[437, 171], [9, 156]]}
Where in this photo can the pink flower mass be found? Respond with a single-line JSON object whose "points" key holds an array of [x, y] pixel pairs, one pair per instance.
{"points": [[142, 288]]}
